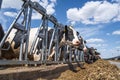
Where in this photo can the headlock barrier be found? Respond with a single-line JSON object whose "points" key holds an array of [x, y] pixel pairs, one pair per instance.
{"points": [[45, 46]]}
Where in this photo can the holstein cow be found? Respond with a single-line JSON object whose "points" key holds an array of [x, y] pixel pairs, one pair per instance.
{"points": [[91, 55], [67, 34]]}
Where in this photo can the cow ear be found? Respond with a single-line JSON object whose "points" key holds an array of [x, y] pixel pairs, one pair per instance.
{"points": [[66, 32], [77, 33], [65, 27]]}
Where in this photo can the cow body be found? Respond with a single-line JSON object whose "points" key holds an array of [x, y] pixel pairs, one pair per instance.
{"points": [[91, 55], [68, 34]]}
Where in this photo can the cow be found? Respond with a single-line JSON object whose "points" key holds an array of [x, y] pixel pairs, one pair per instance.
{"points": [[67, 34], [91, 55]]}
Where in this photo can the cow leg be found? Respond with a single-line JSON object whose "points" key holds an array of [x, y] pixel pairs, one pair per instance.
{"points": [[79, 65]]}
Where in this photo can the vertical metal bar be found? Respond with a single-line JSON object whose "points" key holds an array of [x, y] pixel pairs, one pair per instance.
{"points": [[0, 3], [46, 38], [51, 41], [56, 46], [43, 43], [79, 55], [11, 26], [57, 43], [70, 55], [83, 58], [21, 49], [28, 33]]}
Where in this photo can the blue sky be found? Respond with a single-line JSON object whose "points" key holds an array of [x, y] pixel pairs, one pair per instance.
{"points": [[98, 21]]}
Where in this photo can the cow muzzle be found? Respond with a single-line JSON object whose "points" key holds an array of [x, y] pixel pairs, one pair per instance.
{"points": [[76, 43]]}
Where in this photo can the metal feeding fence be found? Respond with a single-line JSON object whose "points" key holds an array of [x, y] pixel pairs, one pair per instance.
{"points": [[24, 27]]}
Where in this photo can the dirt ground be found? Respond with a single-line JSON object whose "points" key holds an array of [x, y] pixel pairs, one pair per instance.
{"points": [[100, 70]]}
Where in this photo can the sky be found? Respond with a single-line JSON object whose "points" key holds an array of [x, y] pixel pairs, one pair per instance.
{"points": [[97, 21]]}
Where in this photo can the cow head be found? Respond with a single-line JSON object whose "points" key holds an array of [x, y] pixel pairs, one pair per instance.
{"points": [[71, 35], [83, 44]]}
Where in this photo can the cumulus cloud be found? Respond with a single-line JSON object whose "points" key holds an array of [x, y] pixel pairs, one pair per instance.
{"points": [[47, 4], [97, 45], [10, 14], [90, 31], [95, 12], [12, 4], [36, 15], [93, 40], [3, 21], [116, 32]]}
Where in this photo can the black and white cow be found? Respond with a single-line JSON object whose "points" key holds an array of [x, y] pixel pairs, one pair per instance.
{"points": [[91, 55], [67, 34]]}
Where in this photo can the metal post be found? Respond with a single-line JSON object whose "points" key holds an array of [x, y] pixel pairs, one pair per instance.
{"points": [[28, 33], [11, 26], [46, 38], [70, 55], [53, 34], [0, 3], [43, 43], [21, 49]]}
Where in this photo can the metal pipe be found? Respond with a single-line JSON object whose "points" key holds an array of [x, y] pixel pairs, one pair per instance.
{"points": [[0, 3], [28, 33], [11, 26], [51, 41]]}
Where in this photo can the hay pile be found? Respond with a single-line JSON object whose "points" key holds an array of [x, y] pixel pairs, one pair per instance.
{"points": [[100, 70]]}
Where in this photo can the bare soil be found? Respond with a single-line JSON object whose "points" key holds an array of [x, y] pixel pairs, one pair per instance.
{"points": [[100, 70]]}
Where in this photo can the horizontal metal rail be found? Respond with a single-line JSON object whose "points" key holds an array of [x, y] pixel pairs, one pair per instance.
{"points": [[17, 62]]}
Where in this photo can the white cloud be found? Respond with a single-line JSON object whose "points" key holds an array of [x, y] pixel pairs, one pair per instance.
{"points": [[49, 6], [50, 9], [108, 34], [12, 4], [95, 12], [3, 21], [93, 40], [10, 14], [89, 31], [36, 15], [116, 32]]}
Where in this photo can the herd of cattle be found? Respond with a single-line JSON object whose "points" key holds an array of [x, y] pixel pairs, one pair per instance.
{"points": [[67, 36]]}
